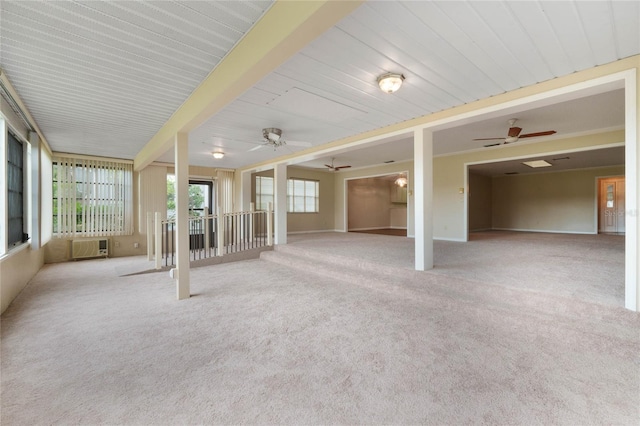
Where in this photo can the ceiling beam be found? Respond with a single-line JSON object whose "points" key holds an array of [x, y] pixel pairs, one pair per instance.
{"points": [[284, 29]]}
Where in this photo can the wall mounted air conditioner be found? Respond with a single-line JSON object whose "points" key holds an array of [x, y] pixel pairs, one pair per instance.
{"points": [[81, 249]]}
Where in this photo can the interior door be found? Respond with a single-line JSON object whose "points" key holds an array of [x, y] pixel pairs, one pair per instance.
{"points": [[612, 206]]}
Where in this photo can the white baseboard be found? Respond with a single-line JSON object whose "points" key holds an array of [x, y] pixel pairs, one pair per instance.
{"points": [[314, 232], [548, 231], [455, 240], [397, 227], [481, 230], [369, 229]]}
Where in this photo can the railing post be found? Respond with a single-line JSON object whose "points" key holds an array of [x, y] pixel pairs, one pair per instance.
{"points": [[158, 250], [269, 224], [150, 231], [252, 209], [206, 230], [220, 234]]}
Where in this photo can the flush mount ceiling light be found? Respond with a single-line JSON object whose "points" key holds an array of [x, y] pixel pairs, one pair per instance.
{"points": [[401, 181], [537, 163], [218, 155], [390, 82]]}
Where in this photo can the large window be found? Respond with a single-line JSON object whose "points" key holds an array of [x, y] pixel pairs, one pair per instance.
{"points": [[303, 196], [92, 197], [16, 191], [264, 192]]}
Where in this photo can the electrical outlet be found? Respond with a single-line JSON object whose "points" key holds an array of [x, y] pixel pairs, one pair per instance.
{"points": [[136, 245], [116, 244]]}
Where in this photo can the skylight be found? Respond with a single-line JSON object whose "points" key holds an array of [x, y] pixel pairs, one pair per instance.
{"points": [[537, 163]]}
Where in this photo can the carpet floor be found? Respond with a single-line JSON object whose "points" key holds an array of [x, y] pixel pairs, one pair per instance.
{"points": [[263, 343]]}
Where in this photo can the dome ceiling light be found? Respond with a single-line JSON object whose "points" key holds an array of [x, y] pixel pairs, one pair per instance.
{"points": [[390, 82]]}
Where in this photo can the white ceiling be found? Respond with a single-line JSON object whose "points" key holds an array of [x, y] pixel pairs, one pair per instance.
{"points": [[102, 77]]}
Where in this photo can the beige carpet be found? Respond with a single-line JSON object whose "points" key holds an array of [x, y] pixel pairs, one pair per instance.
{"points": [[263, 343]]}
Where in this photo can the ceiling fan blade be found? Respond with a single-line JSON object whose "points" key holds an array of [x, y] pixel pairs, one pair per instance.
{"points": [[255, 148], [514, 132], [326, 165], [488, 139], [341, 167], [533, 135]]}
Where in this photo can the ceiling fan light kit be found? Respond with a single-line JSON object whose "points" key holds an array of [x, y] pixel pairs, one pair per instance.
{"points": [[390, 82]]}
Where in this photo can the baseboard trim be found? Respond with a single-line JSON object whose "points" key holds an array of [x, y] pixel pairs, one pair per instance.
{"points": [[455, 240], [369, 229], [314, 231], [547, 231], [397, 227]]}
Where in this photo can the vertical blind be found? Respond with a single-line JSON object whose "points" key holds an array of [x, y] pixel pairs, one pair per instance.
{"points": [[94, 197], [225, 190]]}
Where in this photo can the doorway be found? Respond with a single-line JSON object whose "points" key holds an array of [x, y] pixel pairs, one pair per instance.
{"points": [[377, 204], [611, 205]]}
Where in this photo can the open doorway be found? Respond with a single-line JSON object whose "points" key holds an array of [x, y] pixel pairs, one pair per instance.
{"points": [[611, 205], [378, 204]]}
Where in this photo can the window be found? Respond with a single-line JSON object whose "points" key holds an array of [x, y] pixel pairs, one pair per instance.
{"points": [[15, 191], [92, 197], [264, 192], [303, 196]]}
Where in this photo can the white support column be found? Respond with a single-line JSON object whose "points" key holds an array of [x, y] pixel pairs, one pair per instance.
{"points": [[182, 215], [280, 203], [220, 230], [632, 192], [269, 224], [36, 185], [207, 229], [252, 209], [150, 234], [423, 198], [158, 240]]}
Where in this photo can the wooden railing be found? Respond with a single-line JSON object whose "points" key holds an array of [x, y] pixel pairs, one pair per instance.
{"points": [[209, 236]]}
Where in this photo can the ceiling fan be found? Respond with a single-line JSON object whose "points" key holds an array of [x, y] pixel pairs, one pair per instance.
{"points": [[514, 134], [273, 138], [336, 168]]}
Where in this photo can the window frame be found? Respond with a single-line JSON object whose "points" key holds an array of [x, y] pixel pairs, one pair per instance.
{"points": [[23, 194], [291, 204]]}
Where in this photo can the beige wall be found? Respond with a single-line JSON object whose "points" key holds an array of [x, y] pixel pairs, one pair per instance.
{"points": [[307, 222], [480, 201], [553, 202], [16, 270]]}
